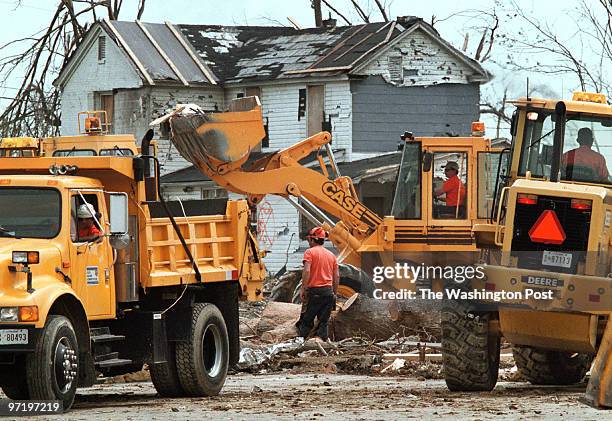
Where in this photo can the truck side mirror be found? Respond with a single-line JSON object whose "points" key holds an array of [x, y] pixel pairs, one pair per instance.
{"points": [[118, 213], [427, 160]]}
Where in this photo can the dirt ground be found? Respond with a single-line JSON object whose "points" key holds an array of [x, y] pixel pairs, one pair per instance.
{"points": [[333, 397]]}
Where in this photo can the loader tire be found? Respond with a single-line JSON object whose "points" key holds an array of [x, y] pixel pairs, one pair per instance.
{"points": [[544, 367], [202, 361], [352, 280], [165, 376], [52, 369], [470, 350]]}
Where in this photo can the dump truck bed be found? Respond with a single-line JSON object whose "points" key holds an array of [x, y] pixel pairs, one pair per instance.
{"points": [[221, 246]]}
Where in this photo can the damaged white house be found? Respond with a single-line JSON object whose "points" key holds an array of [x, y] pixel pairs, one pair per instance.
{"points": [[366, 84]]}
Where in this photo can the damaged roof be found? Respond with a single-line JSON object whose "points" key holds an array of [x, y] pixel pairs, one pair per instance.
{"points": [[211, 54]]}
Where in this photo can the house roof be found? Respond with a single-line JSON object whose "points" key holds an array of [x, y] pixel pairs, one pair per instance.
{"points": [[364, 168], [232, 54]]}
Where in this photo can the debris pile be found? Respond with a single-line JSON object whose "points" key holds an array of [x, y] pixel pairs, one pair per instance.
{"points": [[363, 332]]}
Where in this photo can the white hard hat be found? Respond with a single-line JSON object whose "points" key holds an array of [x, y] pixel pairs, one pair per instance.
{"points": [[86, 211]]}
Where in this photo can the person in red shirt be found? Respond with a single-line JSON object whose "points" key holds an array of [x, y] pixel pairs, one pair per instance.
{"points": [[593, 165], [453, 189], [87, 228], [320, 279]]}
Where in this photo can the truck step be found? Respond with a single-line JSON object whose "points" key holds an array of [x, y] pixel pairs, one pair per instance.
{"points": [[107, 337], [97, 331], [106, 357], [115, 362]]}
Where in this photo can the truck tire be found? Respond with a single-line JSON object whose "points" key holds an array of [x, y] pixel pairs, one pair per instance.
{"points": [[52, 369], [203, 360], [470, 350], [544, 367], [165, 376]]}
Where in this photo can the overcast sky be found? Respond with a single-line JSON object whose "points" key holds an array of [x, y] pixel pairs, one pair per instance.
{"points": [[33, 15]]}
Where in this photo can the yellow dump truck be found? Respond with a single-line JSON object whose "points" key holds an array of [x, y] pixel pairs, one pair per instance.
{"points": [[98, 274]]}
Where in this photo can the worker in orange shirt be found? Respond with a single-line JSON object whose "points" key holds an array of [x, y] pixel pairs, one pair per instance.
{"points": [[453, 189], [87, 228], [583, 156], [320, 279]]}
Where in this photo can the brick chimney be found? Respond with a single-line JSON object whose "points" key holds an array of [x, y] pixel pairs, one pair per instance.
{"points": [[329, 23]]}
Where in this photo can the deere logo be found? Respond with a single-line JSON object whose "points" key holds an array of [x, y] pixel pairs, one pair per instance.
{"points": [[350, 204], [542, 281]]}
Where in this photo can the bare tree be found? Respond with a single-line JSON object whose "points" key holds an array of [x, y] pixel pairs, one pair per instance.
{"points": [[35, 108], [582, 53], [363, 12]]}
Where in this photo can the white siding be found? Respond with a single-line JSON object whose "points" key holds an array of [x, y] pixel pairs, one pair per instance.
{"points": [[280, 107], [425, 61], [338, 105], [115, 72]]}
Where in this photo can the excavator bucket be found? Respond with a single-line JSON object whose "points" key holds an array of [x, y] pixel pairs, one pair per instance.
{"points": [[216, 138], [599, 389]]}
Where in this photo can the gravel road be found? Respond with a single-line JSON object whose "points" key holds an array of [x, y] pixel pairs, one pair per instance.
{"points": [[334, 397]]}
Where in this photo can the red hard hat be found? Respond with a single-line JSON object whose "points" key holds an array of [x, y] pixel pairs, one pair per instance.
{"points": [[317, 232]]}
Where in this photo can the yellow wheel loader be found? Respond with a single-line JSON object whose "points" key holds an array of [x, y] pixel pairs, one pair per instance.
{"points": [[548, 246]]}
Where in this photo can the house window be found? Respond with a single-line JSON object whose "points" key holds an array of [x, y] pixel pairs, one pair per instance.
{"points": [[101, 49], [105, 101], [396, 73], [301, 104]]}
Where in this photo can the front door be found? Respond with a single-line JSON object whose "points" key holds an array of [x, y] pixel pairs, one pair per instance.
{"points": [[91, 258]]}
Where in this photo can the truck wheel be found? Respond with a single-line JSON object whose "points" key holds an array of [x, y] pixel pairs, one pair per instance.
{"points": [[202, 361], [52, 369], [165, 377], [470, 350], [541, 366]]}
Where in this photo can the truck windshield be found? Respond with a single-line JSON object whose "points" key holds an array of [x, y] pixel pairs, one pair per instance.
{"points": [[587, 149], [29, 212]]}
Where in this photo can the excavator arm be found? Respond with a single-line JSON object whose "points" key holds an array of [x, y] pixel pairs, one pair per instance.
{"points": [[219, 145]]}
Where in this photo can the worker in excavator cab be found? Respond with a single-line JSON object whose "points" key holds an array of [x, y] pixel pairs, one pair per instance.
{"points": [[87, 227], [320, 279], [454, 192], [583, 163]]}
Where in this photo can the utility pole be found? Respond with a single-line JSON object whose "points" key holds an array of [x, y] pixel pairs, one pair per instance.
{"points": [[316, 5]]}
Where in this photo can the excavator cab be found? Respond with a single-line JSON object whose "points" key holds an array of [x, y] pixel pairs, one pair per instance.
{"points": [[446, 182]]}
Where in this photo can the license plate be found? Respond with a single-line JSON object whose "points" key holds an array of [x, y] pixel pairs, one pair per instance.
{"points": [[557, 259], [14, 337]]}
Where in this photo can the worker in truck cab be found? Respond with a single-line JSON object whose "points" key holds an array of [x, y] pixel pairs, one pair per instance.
{"points": [[454, 191], [583, 163], [86, 227], [320, 279]]}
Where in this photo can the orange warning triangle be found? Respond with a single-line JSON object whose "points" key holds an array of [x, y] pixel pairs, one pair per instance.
{"points": [[547, 229]]}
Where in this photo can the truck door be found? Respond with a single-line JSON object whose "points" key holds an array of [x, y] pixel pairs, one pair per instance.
{"points": [[491, 170], [91, 259], [408, 195], [448, 187]]}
